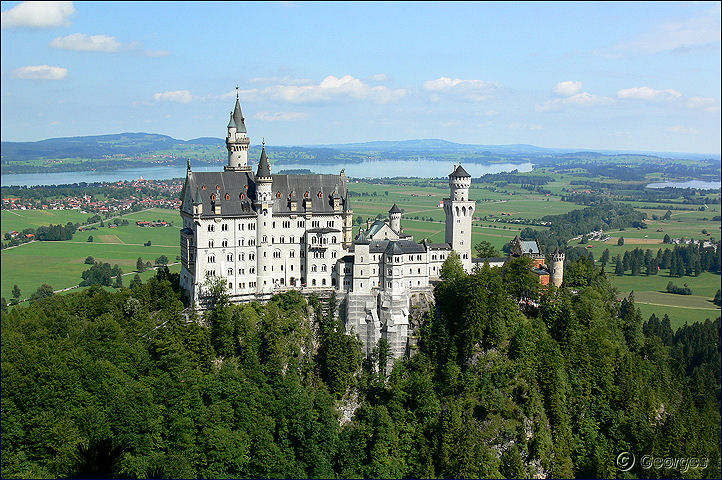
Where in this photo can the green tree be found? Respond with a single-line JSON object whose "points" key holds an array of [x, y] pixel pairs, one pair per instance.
{"points": [[620, 242], [139, 265], [604, 260], [89, 260], [717, 299], [485, 249], [43, 291], [162, 260], [16, 294], [4, 305], [520, 280], [136, 281], [452, 268], [667, 239], [90, 238], [118, 280]]}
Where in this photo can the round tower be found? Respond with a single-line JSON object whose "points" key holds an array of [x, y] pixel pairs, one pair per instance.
{"points": [[264, 225], [459, 211], [557, 268], [236, 141], [395, 218]]}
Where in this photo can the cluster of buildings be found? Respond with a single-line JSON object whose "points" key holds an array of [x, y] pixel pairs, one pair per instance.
{"points": [[167, 197], [262, 233]]}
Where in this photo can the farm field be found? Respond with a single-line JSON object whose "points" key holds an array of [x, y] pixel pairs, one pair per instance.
{"points": [[678, 316], [19, 220], [60, 264]]}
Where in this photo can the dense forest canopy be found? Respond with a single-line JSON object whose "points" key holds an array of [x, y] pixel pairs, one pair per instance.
{"points": [[507, 380]]}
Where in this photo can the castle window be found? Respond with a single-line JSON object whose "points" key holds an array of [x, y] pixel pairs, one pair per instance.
{"points": [[323, 281], [243, 195], [313, 282], [224, 243], [240, 242], [264, 239], [320, 194], [240, 271], [241, 257], [278, 194], [314, 268], [333, 254], [230, 286], [291, 239], [224, 227], [306, 195], [211, 259], [251, 256], [203, 187], [229, 257], [228, 196], [292, 254], [230, 272], [210, 243], [211, 228], [213, 196], [323, 268], [333, 239]]}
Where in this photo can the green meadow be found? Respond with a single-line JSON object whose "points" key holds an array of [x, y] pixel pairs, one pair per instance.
{"points": [[60, 264], [19, 220]]}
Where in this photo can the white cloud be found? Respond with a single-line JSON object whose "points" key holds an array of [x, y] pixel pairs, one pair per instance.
{"points": [[583, 99], [281, 116], [647, 93], [332, 88], [681, 129], [705, 103], [81, 42], [38, 15], [566, 89], [379, 77], [677, 35], [41, 72], [180, 96], [475, 90]]}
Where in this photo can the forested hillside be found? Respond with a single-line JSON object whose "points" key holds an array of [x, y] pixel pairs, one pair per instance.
{"points": [[507, 380]]}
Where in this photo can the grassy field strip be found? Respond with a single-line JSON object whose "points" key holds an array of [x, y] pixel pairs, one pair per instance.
{"points": [[674, 300], [9, 211]]}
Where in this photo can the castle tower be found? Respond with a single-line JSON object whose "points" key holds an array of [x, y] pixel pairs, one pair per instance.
{"points": [[557, 267], [264, 226], [459, 211], [237, 142], [395, 218]]}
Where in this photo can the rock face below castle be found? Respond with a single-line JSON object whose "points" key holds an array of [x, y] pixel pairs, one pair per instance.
{"points": [[264, 234]]}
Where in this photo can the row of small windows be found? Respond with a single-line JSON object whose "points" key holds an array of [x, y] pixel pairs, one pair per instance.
{"points": [[224, 227]]}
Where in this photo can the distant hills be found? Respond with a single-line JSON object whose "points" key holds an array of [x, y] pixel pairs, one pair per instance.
{"points": [[124, 150]]}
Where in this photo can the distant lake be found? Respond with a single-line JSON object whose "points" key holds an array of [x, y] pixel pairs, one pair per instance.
{"points": [[699, 184], [379, 169]]}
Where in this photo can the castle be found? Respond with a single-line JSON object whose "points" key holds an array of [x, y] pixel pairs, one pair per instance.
{"points": [[266, 233]]}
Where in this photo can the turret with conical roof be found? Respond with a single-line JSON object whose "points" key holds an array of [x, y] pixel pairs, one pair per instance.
{"points": [[459, 209], [237, 142], [264, 168], [395, 218]]}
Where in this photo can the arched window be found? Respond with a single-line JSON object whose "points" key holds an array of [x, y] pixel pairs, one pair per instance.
{"points": [[320, 194], [323, 281], [213, 197], [210, 243], [314, 268], [305, 195], [333, 239], [323, 268], [243, 196], [313, 282], [228, 196], [278, 194]]}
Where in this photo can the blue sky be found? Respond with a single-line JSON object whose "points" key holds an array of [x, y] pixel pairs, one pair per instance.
{"points": [[625, 76]]}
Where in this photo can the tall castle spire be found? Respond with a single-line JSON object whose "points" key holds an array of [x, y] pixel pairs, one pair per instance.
{"points": [[237, 142]]}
